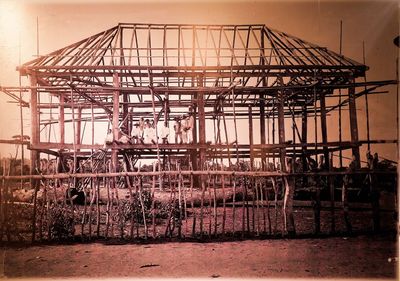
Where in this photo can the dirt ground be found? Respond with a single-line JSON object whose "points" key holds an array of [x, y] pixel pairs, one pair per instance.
{"points": [[372, 256]]}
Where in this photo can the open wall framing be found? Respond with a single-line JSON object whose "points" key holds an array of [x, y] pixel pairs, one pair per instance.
{"points": [[259, 97]]}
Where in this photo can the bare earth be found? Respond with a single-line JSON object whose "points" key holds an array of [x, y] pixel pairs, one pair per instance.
{"points": [[337, 257]]}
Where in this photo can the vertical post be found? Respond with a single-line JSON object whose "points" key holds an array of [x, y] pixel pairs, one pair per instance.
{"points": [[281, 129], [304, 136], [78, 127], [262, 129], [340, 100], [202, 152], [327, 162], [61, 119], [353, 124], [294, 136], [194, 110], [35, 129], [324, 131], [366, 102], [289, 225], [202, 124], [262, 103], [251, 142], [35, 139], [115, 121], [127, 126], [273, 127], [194, 151]]}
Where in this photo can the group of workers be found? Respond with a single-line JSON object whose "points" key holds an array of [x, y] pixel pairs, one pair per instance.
{"points": [[144, 131], [183, 128]]}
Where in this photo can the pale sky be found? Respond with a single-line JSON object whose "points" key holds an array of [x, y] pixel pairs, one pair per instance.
{"points": [[64, 22]]}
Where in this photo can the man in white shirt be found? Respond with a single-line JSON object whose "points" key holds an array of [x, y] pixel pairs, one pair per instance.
{"points": [[164, 133], [189, 127], [178, 130], [149, 133], [137, 133]]}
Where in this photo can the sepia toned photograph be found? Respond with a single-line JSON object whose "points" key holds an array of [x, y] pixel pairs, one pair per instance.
{"points": [[199, 139]]}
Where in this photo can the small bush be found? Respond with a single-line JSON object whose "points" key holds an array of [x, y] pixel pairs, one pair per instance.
{"points": [[61, 222]]}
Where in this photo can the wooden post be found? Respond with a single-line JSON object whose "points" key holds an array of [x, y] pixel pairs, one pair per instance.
{"points": [[115, 121], [262, 102], [233, 206], [332, 195], [326, 158], [35, 139], [281, 129], [127, 126], [202, 152], [202, 126], [210, 215], [353, 123], [303, 141], [192, 205], [273, 128], [262, 129], [201, 136], [61, 118], [251, 137], [289, 181], [35, 127], [78, 127]]}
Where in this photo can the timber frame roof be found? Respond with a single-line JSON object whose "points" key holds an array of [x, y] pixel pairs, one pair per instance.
{"points": [[183, 59]]}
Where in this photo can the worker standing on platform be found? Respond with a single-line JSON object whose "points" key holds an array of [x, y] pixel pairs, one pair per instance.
{"points": [[146, 128], [178, 130], [164, 133], [149, 132], [190, 125], [141, 128], [137, 133]]}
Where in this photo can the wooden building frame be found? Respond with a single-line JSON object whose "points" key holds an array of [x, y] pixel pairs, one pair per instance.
{"points": [[226, 73]]}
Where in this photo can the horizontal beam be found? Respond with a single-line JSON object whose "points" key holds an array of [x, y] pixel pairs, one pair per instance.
{"points": [[24, 142], [59, 146], [191, 172], [199, 69]]}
